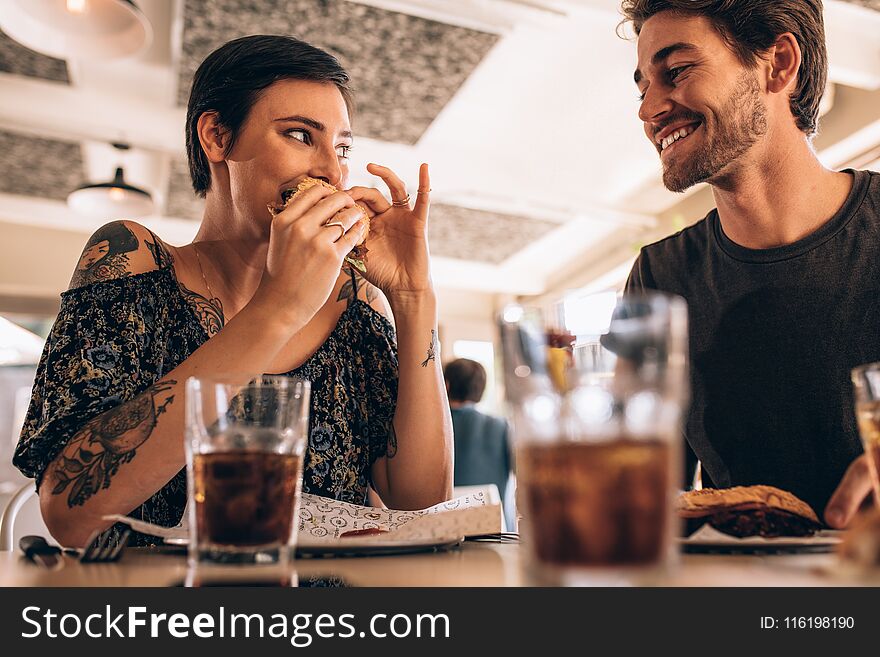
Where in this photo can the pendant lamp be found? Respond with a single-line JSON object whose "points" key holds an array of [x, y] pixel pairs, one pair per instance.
{"points": [[111, 200], [77, 29]]}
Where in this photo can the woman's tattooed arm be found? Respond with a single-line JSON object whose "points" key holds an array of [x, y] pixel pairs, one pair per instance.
{"points": [[94, 454]]}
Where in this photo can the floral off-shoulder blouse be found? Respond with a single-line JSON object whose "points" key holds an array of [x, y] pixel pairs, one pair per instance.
{"points": [[115, 338]]}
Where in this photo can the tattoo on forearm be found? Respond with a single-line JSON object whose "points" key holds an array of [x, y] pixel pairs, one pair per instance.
{"points": [[94, 455], [209, 311], [432, 349], [349, 290], [106, 255]]}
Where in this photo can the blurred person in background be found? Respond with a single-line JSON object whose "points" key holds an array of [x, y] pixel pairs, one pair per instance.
{"points": [[482, 450], [781, 278]]}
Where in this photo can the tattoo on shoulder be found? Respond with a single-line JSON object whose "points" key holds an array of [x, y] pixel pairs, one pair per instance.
{"points": [[94, 454], [349, 290], [432, 349], [209, 311], [160, 254], [106, 255]]}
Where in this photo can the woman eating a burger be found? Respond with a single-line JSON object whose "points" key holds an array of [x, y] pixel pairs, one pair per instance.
{"points": [[282, 290]]}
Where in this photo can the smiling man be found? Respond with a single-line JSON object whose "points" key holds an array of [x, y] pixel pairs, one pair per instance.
{"points": [[783, 278]]}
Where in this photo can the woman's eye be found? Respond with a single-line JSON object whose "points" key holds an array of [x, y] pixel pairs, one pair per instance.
{"points": [[300, 135], [343, 151]]}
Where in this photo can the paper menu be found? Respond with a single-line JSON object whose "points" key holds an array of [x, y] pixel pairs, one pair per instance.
{"points": [[322, 519], [325, 519]]}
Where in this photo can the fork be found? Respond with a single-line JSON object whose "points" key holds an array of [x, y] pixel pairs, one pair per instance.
{"points": [[104, 546]]}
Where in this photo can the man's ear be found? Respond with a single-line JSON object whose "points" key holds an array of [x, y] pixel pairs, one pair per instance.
{"points": [[213, 137], [784, 62]]}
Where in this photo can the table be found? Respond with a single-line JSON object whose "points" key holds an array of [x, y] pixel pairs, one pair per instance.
{"points": [[472, 564]]}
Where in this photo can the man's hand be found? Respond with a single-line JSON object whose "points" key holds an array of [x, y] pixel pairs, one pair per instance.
{"points": [[851, 492]]}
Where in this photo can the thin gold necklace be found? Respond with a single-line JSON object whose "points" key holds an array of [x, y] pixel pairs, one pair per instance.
{"points": [[202, 269]]}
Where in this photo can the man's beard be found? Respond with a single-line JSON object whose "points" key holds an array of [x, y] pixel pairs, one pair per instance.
{"points": [[740, 123]]}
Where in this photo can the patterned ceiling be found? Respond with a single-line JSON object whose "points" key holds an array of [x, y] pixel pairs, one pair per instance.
{"points": [[404, 69], [33, 166], [490, 237], [182, 201], [16, 59]]}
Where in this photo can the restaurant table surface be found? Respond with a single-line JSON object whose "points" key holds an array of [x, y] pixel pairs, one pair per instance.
{"points": [[471, 564]]}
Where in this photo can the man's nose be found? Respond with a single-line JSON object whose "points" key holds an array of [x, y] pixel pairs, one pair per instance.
{"points": [[655, 105]]}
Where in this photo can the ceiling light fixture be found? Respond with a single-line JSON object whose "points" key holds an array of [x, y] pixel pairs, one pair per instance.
{"points": [[111, 200], [77, 29], [77, 6]]}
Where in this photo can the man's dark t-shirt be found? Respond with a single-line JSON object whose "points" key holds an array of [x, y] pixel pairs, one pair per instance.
{"points": [[774, 334]]}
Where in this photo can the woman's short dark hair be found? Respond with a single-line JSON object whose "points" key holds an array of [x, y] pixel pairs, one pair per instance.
{"points": [[750, 28], [231, 79], [466, 380]]}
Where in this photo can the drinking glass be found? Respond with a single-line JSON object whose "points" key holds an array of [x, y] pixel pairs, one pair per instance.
{"points": [[246, 440], [596, 416], [866, 384]]}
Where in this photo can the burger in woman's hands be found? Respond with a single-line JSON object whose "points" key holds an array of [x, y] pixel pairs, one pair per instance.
{"points": [[357, 256]]}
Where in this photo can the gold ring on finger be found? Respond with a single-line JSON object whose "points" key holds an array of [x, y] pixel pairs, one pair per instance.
{"points": [[424, 191], [402, 203], [339, 225]]}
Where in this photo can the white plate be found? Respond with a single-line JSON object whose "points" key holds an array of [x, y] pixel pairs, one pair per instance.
{"points": [[708, 539]]}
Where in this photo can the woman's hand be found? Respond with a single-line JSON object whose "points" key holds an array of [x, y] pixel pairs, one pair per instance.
{"points": [[397, 262], [307, 243]]}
